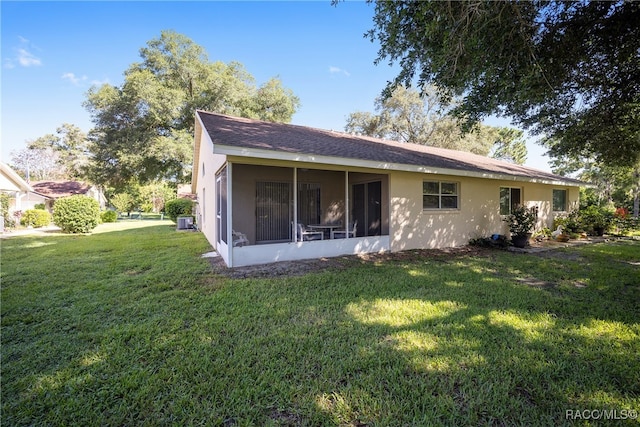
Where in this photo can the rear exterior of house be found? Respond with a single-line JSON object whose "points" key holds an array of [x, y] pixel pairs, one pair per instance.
{"points": [[258, 179]]}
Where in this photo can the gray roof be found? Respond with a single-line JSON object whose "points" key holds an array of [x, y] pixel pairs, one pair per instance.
{"points": [[252, 134]]}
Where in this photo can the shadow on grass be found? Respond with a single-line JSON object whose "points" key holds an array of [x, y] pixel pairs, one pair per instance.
{"points": [[148, 336]]}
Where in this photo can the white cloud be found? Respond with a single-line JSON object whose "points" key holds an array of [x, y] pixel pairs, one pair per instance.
{"points": [[23, 56], [337, 70], [27, 59], [76, 80]]}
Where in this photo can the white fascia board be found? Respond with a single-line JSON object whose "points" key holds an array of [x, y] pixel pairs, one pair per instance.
{"points": [[341, 161]]}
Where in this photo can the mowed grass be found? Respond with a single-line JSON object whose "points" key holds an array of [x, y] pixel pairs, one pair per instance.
{"points": [[130, 327]]}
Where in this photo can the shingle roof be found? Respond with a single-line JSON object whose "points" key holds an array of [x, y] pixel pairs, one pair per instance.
{"points": [[58, 189], [293, 139]]}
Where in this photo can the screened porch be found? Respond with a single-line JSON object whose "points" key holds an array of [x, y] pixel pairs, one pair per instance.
{"points": [[267, 205]]}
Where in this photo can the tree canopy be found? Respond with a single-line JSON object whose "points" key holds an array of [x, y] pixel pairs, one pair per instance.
{"points": [[569, 71], [409, 116], [143, 128], [54, 156]]}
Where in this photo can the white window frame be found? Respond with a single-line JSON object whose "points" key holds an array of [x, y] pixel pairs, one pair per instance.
{"points": [[510, 199], [440, 194], [566, 201]]}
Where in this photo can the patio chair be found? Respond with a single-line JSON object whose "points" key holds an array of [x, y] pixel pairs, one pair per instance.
{"points": [[303, 234], [239, 239], [341, 234]]}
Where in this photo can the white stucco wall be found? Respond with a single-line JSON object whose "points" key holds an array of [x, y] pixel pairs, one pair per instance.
{"points": [[478, 215]]}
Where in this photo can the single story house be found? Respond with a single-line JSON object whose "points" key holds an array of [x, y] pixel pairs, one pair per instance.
{"points": [[58, 189], [22, 196], [255, 181]]}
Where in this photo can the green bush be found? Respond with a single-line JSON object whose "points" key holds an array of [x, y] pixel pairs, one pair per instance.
{"points": [[76, 214], [596, 219], [177, 207], [571, 222], [35, 218], [9, 222], [625, 224], [146, 207], [39, 206], [109, 216]]}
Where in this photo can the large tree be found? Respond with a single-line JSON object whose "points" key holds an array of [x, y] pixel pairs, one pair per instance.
{"points": [[569, 71], [35, 164], [617, 185], [420, 118], [63, 155], [144, 127]]}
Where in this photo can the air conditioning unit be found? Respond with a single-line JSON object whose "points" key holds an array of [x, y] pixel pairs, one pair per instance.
{"points": [[185, 222]]}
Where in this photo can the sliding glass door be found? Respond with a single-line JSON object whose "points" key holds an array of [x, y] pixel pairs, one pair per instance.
{"points": [[273, 211]]}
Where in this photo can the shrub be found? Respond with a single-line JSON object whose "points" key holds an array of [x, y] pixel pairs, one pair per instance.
{"points": [[4, 211], [570, 222], [109, 216], [39, 206], [146, 207], [596, 219], [497, 241], [177, 207], [35, 218], [624, 225], [76, 214], [522, 220]]}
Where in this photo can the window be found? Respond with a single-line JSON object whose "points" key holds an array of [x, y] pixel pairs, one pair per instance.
{"points": [[509, 199], [439, 195], [559, 200]]}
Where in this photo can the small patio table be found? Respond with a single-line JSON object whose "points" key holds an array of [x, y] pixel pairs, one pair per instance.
{"points": [[325, 228]]}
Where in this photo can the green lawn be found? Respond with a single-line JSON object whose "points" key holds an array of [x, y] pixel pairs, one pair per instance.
{"points": [[128, 326]]}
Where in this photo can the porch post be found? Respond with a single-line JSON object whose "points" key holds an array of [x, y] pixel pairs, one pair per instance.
{"points": [[229, 213], [346, 203], [294, 228]]}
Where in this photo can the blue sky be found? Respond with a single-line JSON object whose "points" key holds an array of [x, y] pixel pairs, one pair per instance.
{"points": [[53, 52]]}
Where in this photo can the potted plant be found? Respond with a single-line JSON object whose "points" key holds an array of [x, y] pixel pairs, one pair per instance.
{"points": [[521, 223]]}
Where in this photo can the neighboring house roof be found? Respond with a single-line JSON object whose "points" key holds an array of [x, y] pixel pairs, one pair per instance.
{"points": [[184, 192], [254, 138], [11, 181], [58, 189]]}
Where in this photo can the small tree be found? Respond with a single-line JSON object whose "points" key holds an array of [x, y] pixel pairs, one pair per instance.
{"points": [[123, 202], [76, 214], [154, 196]]}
